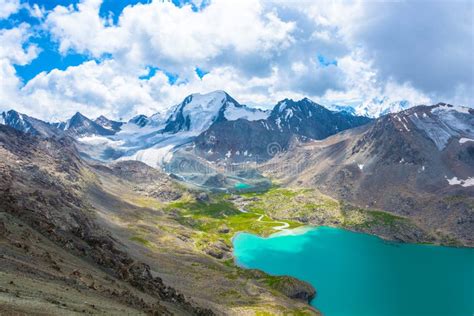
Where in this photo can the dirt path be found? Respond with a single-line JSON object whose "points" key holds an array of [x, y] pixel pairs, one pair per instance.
{"points": [[283, 226]]}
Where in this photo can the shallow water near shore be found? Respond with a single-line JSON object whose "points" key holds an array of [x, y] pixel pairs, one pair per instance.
{"points": [[359, 274]]}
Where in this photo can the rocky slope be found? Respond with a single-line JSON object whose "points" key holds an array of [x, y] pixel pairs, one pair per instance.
{"points": [[110, 240], [28, 124], [416, 163], [244, 140], [79, 126], [114, 126]]}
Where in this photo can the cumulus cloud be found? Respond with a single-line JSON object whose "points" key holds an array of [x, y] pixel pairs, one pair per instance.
{"points": [[92, 88], [258, 51], [14, 45], [14, 50], [8, 7], [96, 88], [427, 45], [161, 32]]}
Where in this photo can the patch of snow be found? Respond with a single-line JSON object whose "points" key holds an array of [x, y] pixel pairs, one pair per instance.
{"points": [[265, 125], [442, 125], [154, 157], [203, 109], [377, 107], [361, 166], [233, 113], [465, 140], [153, 149], [229, 154], [246, 153], [406, 128], [288, 114], [96, 140], [460, 109], [278, 123], [465, 183], [282, 107]]}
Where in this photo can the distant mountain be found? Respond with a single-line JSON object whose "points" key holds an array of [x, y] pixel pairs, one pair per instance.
{"points": [[27, 124], [154, 139], [198, 112], [415, 163], [79, 126], [378, 107], [374, 108], [114, 126], [219, 127], [344, 108], [261, 139], [140, 120]]}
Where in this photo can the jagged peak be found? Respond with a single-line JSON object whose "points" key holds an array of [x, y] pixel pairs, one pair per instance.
{"points": [[140, 120], [11, 111], [287, 103], [78, 115], [77, 118], [102, 118], [441, 106]]}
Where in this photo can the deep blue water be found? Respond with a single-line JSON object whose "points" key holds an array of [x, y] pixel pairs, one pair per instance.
{"points": [[359, 274]]}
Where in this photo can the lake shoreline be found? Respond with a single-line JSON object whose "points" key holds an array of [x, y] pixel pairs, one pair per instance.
{"points": [[400, 254], [304, 228]]}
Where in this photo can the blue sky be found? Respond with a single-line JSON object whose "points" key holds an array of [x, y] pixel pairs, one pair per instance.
{"points": [[124, 57]]}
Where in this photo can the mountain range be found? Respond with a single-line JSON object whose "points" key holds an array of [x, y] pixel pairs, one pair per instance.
{"points": [[138, 217], [201, 119], [375, 107], [417, 163]]}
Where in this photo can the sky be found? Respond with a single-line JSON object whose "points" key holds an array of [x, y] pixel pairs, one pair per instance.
{"points": [[120, 58]]}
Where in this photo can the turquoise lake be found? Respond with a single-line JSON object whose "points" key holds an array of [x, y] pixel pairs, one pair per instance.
{"points": [[359, 274]]}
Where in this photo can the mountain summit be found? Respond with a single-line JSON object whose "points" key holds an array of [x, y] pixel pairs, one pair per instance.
{"points": [[198, 112], [79, 125], [261, 139]]}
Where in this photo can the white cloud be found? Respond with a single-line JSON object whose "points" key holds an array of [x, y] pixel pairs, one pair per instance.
{"points": [[258, 51], [83, 30], [427, 45], [14, 47], [8, 7], [14, 50], [9, 86], [92, 88], [160, 32]]}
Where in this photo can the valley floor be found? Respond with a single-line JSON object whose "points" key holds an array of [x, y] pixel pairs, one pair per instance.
{"points": [[185, 237]]}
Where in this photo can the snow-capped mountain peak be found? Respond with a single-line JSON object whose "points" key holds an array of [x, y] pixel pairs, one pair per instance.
{"points": [[139, 120], [16, 120], [381, 106], [198, 112], [450, 108], [76, 119], [109, 124], [375, 107]]}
